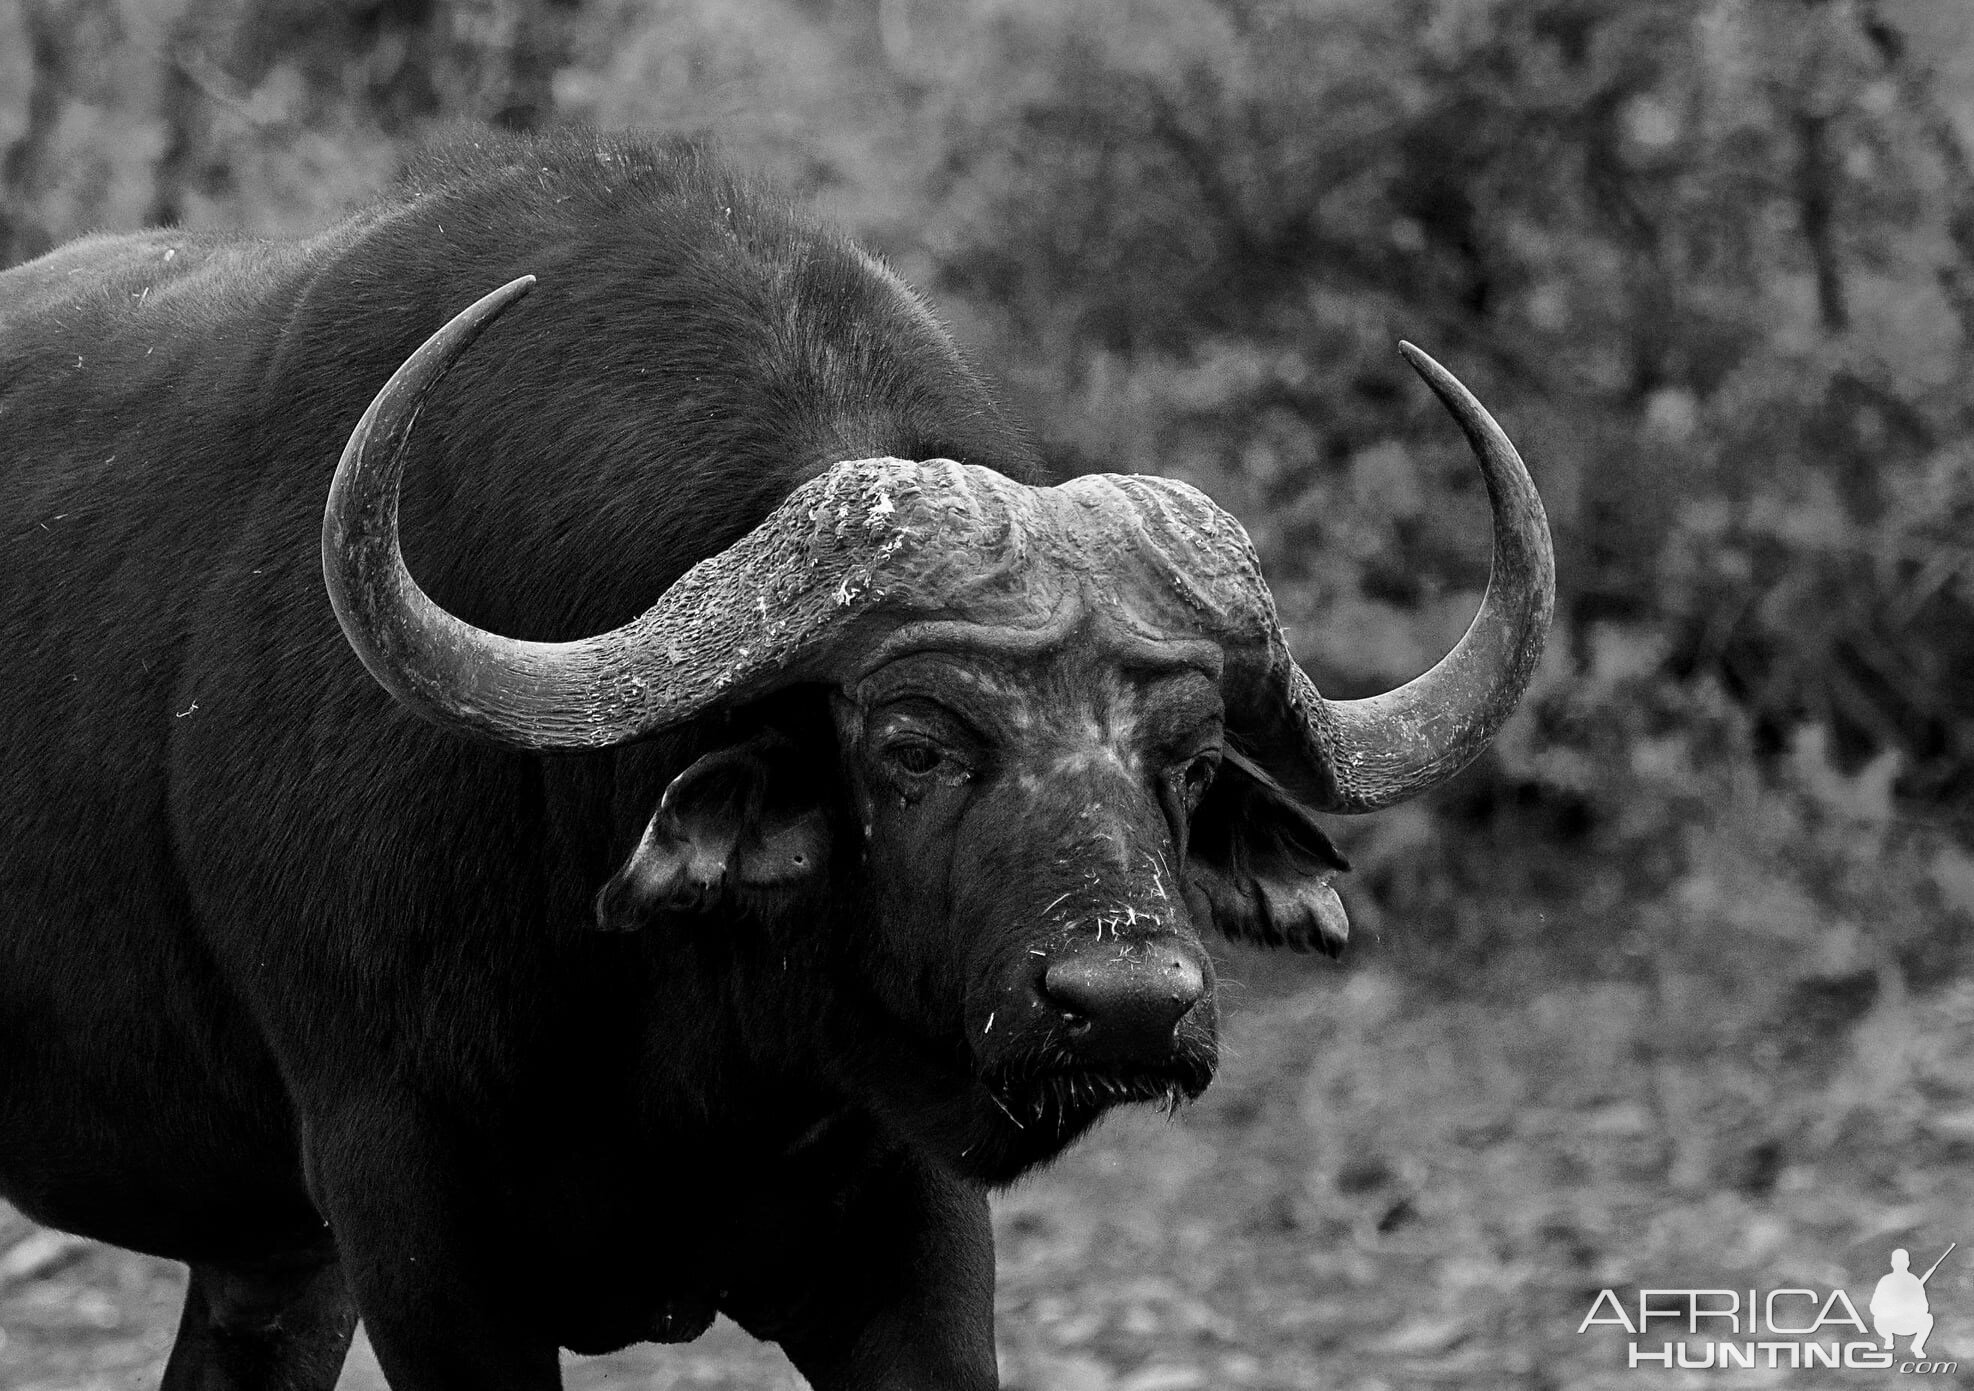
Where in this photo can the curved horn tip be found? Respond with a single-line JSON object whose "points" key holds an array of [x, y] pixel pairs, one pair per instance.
{"points": [[491, 305], [374, 597], [434, 358], [1385, 749], [1444, 383]]}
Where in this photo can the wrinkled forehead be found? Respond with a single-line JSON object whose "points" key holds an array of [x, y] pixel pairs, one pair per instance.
{"points": [[1073, 634], [1088, 680], [1103, 603], [1149, 568]]}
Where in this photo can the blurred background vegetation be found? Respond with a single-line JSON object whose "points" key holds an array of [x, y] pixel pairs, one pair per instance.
{"points": [[1671, 989]]}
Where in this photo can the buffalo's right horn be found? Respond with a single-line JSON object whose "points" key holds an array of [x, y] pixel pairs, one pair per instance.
{"points": [[845, 551]]}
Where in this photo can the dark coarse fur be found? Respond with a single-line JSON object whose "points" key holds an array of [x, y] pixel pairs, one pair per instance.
{"points": [[273, 950]]}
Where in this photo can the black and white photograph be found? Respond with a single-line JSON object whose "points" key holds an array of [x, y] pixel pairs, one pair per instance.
{"points": [[986, 695]]}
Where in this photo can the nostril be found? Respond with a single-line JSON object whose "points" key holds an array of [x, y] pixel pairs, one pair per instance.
{"points": [[1068, 984], [1187, 983]]}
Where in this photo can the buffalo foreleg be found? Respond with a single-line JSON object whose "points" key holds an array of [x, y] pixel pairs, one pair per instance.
{"points": [[261, 1327], [423, 1256], [903, 1299]]}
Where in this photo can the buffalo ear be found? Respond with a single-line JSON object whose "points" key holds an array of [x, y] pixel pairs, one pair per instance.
{"points": [[737, 824], [1263, 866]]}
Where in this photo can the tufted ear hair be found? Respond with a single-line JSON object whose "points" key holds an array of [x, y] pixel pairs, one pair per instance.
{"points": [[742, 823], [1260, 866]]}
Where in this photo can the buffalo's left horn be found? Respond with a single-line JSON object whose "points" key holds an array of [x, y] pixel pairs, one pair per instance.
{"points": [[1384, 749]]}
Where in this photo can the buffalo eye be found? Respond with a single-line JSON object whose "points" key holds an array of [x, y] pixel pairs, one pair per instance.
{"points": [[1183, 786], [1186, 781], [1195, 776], [914, 762], [915, 757]]}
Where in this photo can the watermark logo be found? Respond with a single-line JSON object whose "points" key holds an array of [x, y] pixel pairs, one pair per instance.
{"points": [[1715, 1328], [1898, 1306]]}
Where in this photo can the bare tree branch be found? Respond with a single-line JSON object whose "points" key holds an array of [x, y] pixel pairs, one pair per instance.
{"points": [[1918, 92]]}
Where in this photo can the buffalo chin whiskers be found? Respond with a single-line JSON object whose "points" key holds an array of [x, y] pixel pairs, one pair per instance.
{"points": [[995, 1097], [1065, 1097]]}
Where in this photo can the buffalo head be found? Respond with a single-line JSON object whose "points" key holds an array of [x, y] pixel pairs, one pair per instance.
{"points": [[1056, 732]]}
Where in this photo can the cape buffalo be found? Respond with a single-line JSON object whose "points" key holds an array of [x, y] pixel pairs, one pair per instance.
{"points": [[788, 816]]}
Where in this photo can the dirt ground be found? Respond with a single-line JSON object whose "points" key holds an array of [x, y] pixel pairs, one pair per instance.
{"points": [[1390, 1186]]}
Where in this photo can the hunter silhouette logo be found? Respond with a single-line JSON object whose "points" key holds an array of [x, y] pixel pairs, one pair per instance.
{"points": [[1898, 1305]]}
